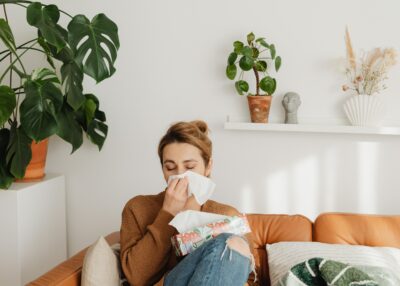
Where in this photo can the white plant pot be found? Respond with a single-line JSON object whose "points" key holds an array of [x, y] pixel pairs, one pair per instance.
{"points": [[365, 110]]}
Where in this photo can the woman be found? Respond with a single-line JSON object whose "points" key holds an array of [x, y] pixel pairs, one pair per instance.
{"points": [[147, 256]]}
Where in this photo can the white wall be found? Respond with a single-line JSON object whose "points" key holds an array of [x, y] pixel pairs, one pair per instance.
{"points": [[171, 67]]}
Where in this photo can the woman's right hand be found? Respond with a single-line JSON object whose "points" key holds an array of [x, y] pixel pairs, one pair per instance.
{"points": [[176, 196]]}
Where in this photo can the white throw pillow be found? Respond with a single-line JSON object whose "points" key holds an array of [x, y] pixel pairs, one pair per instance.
{"points": [[100, 265], [284, 255]]}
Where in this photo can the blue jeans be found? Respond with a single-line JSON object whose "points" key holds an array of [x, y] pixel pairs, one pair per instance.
{"points": [[213, 263]]}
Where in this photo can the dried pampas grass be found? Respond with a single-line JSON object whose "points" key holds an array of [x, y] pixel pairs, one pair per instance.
{"points": [[372, 57], [351, 57], [366, 75]]}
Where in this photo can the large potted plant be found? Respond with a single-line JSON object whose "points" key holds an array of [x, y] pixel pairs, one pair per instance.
{"points": [[256, 56], [50, 100]]}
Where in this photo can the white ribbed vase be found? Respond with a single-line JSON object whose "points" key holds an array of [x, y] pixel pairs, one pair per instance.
{"points": [[365, 110]]}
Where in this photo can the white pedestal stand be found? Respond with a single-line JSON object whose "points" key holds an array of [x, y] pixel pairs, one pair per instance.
{"points": [[32, 229]]}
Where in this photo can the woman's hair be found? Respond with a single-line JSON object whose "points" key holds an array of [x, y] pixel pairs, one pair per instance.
{"points": [[194, 133]]}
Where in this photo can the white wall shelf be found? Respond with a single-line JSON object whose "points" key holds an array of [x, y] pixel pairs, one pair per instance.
{"points": [[309, 127]]}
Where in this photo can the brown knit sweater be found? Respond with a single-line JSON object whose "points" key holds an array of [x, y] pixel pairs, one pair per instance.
{"points": [[146, 250]]}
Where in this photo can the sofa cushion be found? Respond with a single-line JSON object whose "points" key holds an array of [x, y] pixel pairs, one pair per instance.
{"points": [[357, 229], [385, 261], [68, 273], [275, 228], [100, 265]]}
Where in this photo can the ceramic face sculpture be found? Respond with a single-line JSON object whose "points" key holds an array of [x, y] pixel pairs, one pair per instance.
{"points": [[291, 102]]}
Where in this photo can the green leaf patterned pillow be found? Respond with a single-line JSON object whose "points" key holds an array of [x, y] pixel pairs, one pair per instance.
{"points": [[321, 272]]}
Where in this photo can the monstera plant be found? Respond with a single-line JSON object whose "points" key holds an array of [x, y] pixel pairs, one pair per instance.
{"points": [[50, 99]]}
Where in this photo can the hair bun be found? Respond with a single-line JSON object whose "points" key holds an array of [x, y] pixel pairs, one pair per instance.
{"points": [[201, 125], [191, 132]]}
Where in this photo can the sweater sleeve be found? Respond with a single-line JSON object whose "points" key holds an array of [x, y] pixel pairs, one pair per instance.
{"points": [[145, 255]]}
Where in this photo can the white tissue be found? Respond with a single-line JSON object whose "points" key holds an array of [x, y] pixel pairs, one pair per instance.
{"points": [[190, 219], [200, 186]]}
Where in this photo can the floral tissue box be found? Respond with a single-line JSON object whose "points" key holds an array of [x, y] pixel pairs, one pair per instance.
{"points": [[187, 242]]}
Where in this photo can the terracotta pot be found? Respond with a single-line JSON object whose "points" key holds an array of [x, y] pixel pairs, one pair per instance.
{"points": [[259, 108], [35, 169]]}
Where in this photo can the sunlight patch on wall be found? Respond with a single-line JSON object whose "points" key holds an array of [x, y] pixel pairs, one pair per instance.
{"points": [[247, 199], [277, 196], [305, 187], [367, 189], [328, 195]]}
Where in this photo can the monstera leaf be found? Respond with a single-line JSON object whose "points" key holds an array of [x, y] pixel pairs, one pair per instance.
{"points": [[71, 72], [97, 132], [45, 18], [92, 120], [7, 103], [5, 176], [96, 129], [19, 151], [72, 77], [6, 35], [64, 55], [94, 44], [68, 127], [43, 100], [46, 48]]}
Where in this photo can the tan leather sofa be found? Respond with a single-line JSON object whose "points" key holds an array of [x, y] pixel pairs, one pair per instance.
{"points": [[370, 230]]}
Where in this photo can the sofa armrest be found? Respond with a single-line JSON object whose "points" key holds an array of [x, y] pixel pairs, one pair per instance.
{"points": [[68, 272]]}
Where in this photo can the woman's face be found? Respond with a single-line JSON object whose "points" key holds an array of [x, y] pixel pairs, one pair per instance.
{"points": [[180, 157]]}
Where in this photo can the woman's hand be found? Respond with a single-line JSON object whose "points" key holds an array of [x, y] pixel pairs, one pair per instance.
{"points": [[176, 196]]}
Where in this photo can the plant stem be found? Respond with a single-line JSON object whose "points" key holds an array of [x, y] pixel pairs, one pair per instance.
{"points": [[20, 82], [13, 51], [20, 46], [22, 1], [257, 81], [11, 59], [10, 55], [23, 48], [10, 66]]}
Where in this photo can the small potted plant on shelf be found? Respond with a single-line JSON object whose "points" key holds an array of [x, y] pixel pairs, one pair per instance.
{"points": [[366, 76], [50, 100], [256, 56]]}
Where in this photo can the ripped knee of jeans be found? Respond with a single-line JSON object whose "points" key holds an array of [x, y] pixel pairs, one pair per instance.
{"points": [[240, 245]]}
